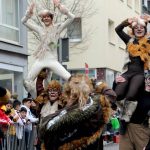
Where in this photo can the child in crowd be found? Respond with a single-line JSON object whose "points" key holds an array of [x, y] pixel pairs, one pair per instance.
{"points": [[16, 105], [7, 108], [20, 122]]}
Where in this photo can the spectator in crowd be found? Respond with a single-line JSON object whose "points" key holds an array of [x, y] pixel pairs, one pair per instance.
{"points": [[20, 122], [16, 105], [27, 102], [30, 119], [8, 109]]}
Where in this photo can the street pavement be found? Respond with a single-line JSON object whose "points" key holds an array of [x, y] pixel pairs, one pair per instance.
{"points": [[111, 146]]}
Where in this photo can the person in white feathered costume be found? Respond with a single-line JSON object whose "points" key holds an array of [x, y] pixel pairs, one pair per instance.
{"points": [[46, 54]]}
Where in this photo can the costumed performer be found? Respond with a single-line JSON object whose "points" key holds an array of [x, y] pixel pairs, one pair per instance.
{"points": [[132, 78], [46, 54]]}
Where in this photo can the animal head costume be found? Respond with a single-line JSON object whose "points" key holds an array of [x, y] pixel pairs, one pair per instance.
{"points": [[52, 92], [77, 118], [77, 89]]}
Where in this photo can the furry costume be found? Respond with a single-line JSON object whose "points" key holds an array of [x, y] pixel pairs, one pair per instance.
{"points": [[141, 49], [138, 60], [43, 100], [78, 129], [46, 54], [80, 124]]}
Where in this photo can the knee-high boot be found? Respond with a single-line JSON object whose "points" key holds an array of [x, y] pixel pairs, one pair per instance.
{"points": [[129, 108], [120, 104]]}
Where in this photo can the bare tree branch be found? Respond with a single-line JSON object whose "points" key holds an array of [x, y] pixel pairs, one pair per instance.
{"points": [[81, 8]]}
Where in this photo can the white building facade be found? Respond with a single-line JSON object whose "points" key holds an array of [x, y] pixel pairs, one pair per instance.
{"points": [[13, 46]]}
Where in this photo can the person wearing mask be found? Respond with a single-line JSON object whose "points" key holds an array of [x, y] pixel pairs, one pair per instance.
{"points": [[20, 122], [48, 100]]}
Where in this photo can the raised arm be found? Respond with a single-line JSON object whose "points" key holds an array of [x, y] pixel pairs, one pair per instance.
{"points": [[119, 30], [66, 12], [28, 15]]}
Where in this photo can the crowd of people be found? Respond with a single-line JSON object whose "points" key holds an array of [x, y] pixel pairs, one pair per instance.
{"points": [[17, 118], [63, 111]]}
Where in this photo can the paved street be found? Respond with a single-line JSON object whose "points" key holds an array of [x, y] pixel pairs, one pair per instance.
{"points": [[111, 147]]}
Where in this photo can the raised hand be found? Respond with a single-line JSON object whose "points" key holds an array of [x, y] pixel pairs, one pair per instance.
{"points": [[131, 20], [146, 17], [61, 7], [56, 3], [30, 9]]}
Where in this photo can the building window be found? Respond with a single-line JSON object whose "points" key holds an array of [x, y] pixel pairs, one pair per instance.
{"points": [[12, 80], [129, 3], [9, 24], [137, 5], [74, 31], [111, 31], [144, 2]]}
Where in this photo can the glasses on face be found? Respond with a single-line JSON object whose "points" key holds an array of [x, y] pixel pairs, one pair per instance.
{"points": [[53, 90], [139, 27]]}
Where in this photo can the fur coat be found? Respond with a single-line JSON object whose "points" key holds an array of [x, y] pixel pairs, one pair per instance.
{"points": [[77, 129]]}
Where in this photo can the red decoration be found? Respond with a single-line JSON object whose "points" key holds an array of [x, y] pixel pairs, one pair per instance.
{"points": [[86, 69]]}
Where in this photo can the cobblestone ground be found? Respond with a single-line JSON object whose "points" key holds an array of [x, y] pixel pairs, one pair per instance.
{"points": [[111, 146]]}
